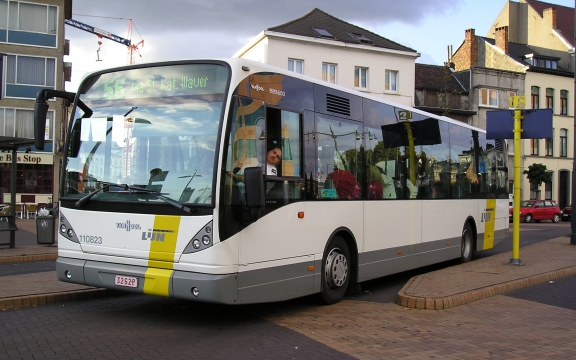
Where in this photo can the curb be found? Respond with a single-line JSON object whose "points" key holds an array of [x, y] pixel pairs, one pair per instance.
{"points": [[56, 298], [27, 258], [447, 302]]}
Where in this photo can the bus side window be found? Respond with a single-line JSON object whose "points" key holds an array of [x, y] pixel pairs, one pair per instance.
{"points": [[284, 132], [338, 158]]}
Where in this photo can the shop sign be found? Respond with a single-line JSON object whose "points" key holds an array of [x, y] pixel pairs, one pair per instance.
{"points": [[28, 158]]}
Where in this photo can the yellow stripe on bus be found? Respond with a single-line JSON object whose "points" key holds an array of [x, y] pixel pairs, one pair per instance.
{"points": [[163, 238], [163, 245], [157, 282], [489, 222]]}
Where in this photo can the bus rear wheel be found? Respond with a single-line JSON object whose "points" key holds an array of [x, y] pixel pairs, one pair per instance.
{"points": [[335, 271], [467, 247]]}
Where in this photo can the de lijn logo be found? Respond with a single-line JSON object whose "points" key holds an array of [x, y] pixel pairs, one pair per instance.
{"points": [[155, 234]]}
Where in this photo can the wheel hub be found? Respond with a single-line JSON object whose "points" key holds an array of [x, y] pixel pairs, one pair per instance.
{"points": [[336, 269]]}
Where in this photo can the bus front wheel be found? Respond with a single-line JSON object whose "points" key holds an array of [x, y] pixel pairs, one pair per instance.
{"points": [[335, 271], [467, 247]]}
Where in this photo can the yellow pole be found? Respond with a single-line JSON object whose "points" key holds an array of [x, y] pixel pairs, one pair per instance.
{"points": [[515, 260]]}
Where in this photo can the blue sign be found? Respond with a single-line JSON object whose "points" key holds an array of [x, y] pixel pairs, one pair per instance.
{"points": [[537, 124]]}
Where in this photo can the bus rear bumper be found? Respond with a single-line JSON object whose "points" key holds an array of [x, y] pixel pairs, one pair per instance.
{"points": [[222, 289]]}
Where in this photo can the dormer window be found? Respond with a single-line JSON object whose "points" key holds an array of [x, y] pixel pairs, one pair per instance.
{"points": [[542, 62], [323, 33], [361, 38]]}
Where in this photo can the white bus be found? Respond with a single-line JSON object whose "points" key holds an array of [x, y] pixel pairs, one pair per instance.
{"points": [[151, 200]]}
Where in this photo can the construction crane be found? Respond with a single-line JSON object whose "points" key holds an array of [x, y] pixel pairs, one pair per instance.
{"points": [[132, 48]]}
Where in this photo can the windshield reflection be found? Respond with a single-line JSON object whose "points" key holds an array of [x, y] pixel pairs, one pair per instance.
{"points": [[162, 144]]}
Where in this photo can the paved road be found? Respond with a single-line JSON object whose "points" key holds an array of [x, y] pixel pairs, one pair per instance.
{"points": [[139, 326]]}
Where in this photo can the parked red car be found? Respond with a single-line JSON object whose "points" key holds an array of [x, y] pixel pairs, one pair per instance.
{"points": [[537, 210], [567, 213]]}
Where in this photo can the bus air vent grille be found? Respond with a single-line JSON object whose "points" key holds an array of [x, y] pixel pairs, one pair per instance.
{"points": [[337, 104]]}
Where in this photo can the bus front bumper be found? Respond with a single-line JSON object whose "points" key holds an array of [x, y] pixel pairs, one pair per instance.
{"points": [[222, 289]]}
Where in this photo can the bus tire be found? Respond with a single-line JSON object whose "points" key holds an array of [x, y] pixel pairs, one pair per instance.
{"points": [[467, 246], [336, 268]]}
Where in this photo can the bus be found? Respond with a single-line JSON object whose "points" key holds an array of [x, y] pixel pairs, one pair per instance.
{"points": [[149, 201]]}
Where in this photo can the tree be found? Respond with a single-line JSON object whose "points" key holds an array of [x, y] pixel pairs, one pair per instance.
{"points": [[537, 174]]}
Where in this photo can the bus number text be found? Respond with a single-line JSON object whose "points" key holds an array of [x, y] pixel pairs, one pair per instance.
{"points": [[88, 239]]}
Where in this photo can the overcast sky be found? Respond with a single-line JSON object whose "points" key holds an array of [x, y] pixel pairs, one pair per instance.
{"points": [[182, 29]]}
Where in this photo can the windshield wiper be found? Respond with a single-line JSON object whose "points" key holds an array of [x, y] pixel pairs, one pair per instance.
{"points": [[85, 199], [133, 189], [174, 203]]}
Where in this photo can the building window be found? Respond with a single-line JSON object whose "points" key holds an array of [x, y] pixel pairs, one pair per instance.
{"points": [[548, 192], [391, 80], [32, 17], [535, 97], [563, 102], [30, 178], [361, 77], [534, 192], [296, 65], [535, 146], [549, 144], [27, 23], [28, 70], [563, 143], [329, 72], [550, 99], [488, 97], [511, 95], [20, 123], [26, 75]]}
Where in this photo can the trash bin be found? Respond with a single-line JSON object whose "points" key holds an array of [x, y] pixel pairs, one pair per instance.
{"points": [[45, 229]]}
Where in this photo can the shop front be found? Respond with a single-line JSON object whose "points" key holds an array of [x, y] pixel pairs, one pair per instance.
{"points": [[34, 177]]}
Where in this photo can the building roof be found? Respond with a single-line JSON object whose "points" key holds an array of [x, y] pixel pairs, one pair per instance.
{"points": [[435, 77], [564, 17], [518, 52], [515, 50], [318, 24]]}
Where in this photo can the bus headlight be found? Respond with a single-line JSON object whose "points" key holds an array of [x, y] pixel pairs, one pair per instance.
{"points": [[200, 241], [67, 231], [206, 240]]}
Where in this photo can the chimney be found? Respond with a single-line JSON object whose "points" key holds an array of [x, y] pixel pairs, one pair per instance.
{"points": [[467, 55], [502, 38], [549, 16]]}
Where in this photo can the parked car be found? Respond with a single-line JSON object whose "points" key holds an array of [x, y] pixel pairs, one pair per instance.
{"points": [[567, 213], [538, 210]]}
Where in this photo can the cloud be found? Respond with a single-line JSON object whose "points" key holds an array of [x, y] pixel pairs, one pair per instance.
{"points": [[183, 29], [249, 17]]}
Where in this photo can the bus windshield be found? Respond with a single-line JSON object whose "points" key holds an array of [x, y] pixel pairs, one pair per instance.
{"points": [[154, 128]]}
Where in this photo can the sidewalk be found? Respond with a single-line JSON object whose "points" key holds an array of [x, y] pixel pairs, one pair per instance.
{"points": [[42, 288], [482, 278], [441, 289]]}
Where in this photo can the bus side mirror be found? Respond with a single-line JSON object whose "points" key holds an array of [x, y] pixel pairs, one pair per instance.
{"points": [[40, 112], [254, 191]]}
